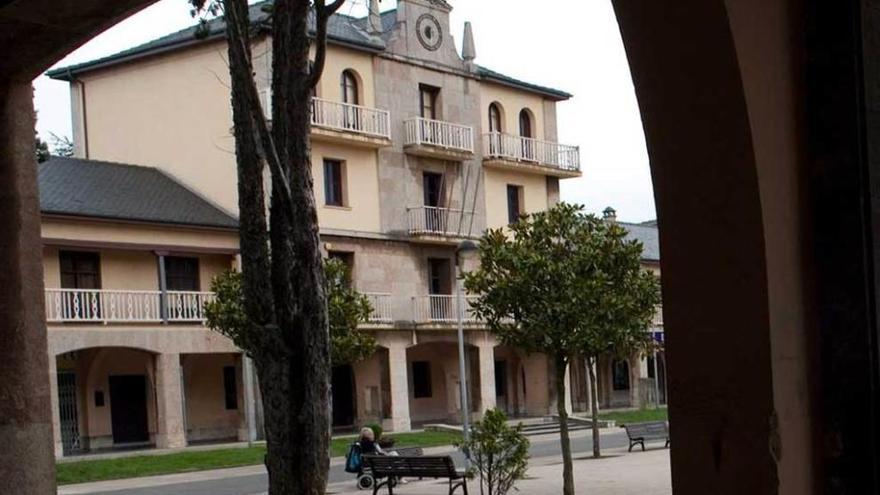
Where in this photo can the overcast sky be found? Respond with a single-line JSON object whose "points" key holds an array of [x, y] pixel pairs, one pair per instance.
{"points": [[579, 51]]}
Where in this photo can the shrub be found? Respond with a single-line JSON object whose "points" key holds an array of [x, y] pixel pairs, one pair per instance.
{"points": [[499, 452]]}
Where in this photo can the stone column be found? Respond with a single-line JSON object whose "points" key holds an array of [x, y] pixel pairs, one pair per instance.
{"points": [[487, 376], [169, 403], [250, 412], [568, 408], [56, 408], [399, 373], [27, 455]]}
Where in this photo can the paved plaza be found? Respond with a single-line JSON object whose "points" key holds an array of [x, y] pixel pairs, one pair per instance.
{"points": [[620, 473]]}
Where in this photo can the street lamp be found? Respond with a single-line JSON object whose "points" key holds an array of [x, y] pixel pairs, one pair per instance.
{"points": [[464, 251]]}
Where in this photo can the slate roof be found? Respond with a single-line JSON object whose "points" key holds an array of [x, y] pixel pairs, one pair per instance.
{"points": [[341, 29], [648, 235], [90, 188]]}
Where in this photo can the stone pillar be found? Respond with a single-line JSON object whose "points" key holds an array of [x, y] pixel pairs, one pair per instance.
{"points": [[250, 410], [399, 373], [568, 397], [27, 456], [487, 376], [56, 408], [169, 403]]}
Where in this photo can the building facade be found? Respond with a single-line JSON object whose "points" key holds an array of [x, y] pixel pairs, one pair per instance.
{"points": [[415, 148]]}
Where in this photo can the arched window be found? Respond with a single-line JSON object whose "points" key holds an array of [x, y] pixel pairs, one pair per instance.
{"points": [[349, 86], [525, 123], [494, 118]]}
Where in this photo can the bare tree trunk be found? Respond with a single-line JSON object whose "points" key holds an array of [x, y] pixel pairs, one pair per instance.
{"points": [[564, 441], [283, 278], [594, 406]]}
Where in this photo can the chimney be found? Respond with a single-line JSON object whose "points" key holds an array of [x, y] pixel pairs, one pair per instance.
{"points": [[469, 50], [375, 18], [609, 214]]}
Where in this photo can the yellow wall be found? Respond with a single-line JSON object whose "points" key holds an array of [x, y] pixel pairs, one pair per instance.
{"points": [[511, 101], [534, 194], [206, 413], [340, 59], [56, 231], [170, 112], [361, 188], [131, 270]]}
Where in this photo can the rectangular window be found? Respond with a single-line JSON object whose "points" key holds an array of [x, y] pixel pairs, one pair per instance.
{"points": [[421, 377], [514, 203], [428, 101], [230, 388], [333, 183], [439, 275], [80, 270], [181, 273], [432, 183]]}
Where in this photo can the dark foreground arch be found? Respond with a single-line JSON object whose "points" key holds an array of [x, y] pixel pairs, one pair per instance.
{"points": [[34, 35], [761, 124]]}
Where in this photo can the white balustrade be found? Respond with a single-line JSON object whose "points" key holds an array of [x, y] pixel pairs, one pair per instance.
{"points": [[658, 317], [187, 306], [340, 116], [518, 148], [381, 304], [443, 309], [420, 131], [102, 305], [123, 306], [351, 118], [439, 221]]}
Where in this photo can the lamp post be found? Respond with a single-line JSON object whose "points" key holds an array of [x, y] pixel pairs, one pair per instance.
{"points": [[464, 250]]}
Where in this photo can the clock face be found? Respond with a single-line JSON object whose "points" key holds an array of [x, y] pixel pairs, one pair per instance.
{"points": [[429, 31]]}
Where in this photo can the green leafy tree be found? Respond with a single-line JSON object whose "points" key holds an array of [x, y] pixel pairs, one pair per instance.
{"points": [[347, 309], [41, 149], [500, 452], [61, 145], [556, 283]]}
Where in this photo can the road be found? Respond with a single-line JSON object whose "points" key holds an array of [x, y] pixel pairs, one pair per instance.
{"points": [[542, 446]]}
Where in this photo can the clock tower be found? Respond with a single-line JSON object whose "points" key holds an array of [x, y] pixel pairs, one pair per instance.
{"points": [[422, 33]]}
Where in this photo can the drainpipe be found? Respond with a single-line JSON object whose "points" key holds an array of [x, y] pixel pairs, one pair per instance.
{"points": [[163, 288]]}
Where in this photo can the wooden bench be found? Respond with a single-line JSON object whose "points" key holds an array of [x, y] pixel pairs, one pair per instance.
{"points": [[639, 433], [390, 468]]}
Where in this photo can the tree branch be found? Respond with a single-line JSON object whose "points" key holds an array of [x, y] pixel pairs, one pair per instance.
{"points": [[241, 51], [323, 12]]}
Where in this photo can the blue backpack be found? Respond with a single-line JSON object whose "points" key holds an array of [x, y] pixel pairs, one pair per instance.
{"points": [[354, 461]]}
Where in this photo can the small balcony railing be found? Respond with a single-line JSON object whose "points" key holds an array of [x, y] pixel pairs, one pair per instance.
{"points": [[346, 117], [342, 117], [124, 306], [443, 309], [455, 137], [658, 317], [432, 220], [517, 148], [381, 304]]}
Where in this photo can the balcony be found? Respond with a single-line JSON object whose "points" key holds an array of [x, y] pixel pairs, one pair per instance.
{"points": [[353, 124], [442, 310], [337, 122], [438, 139], [443, 225], [124, 306], [509, 152], [381, 304]]}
